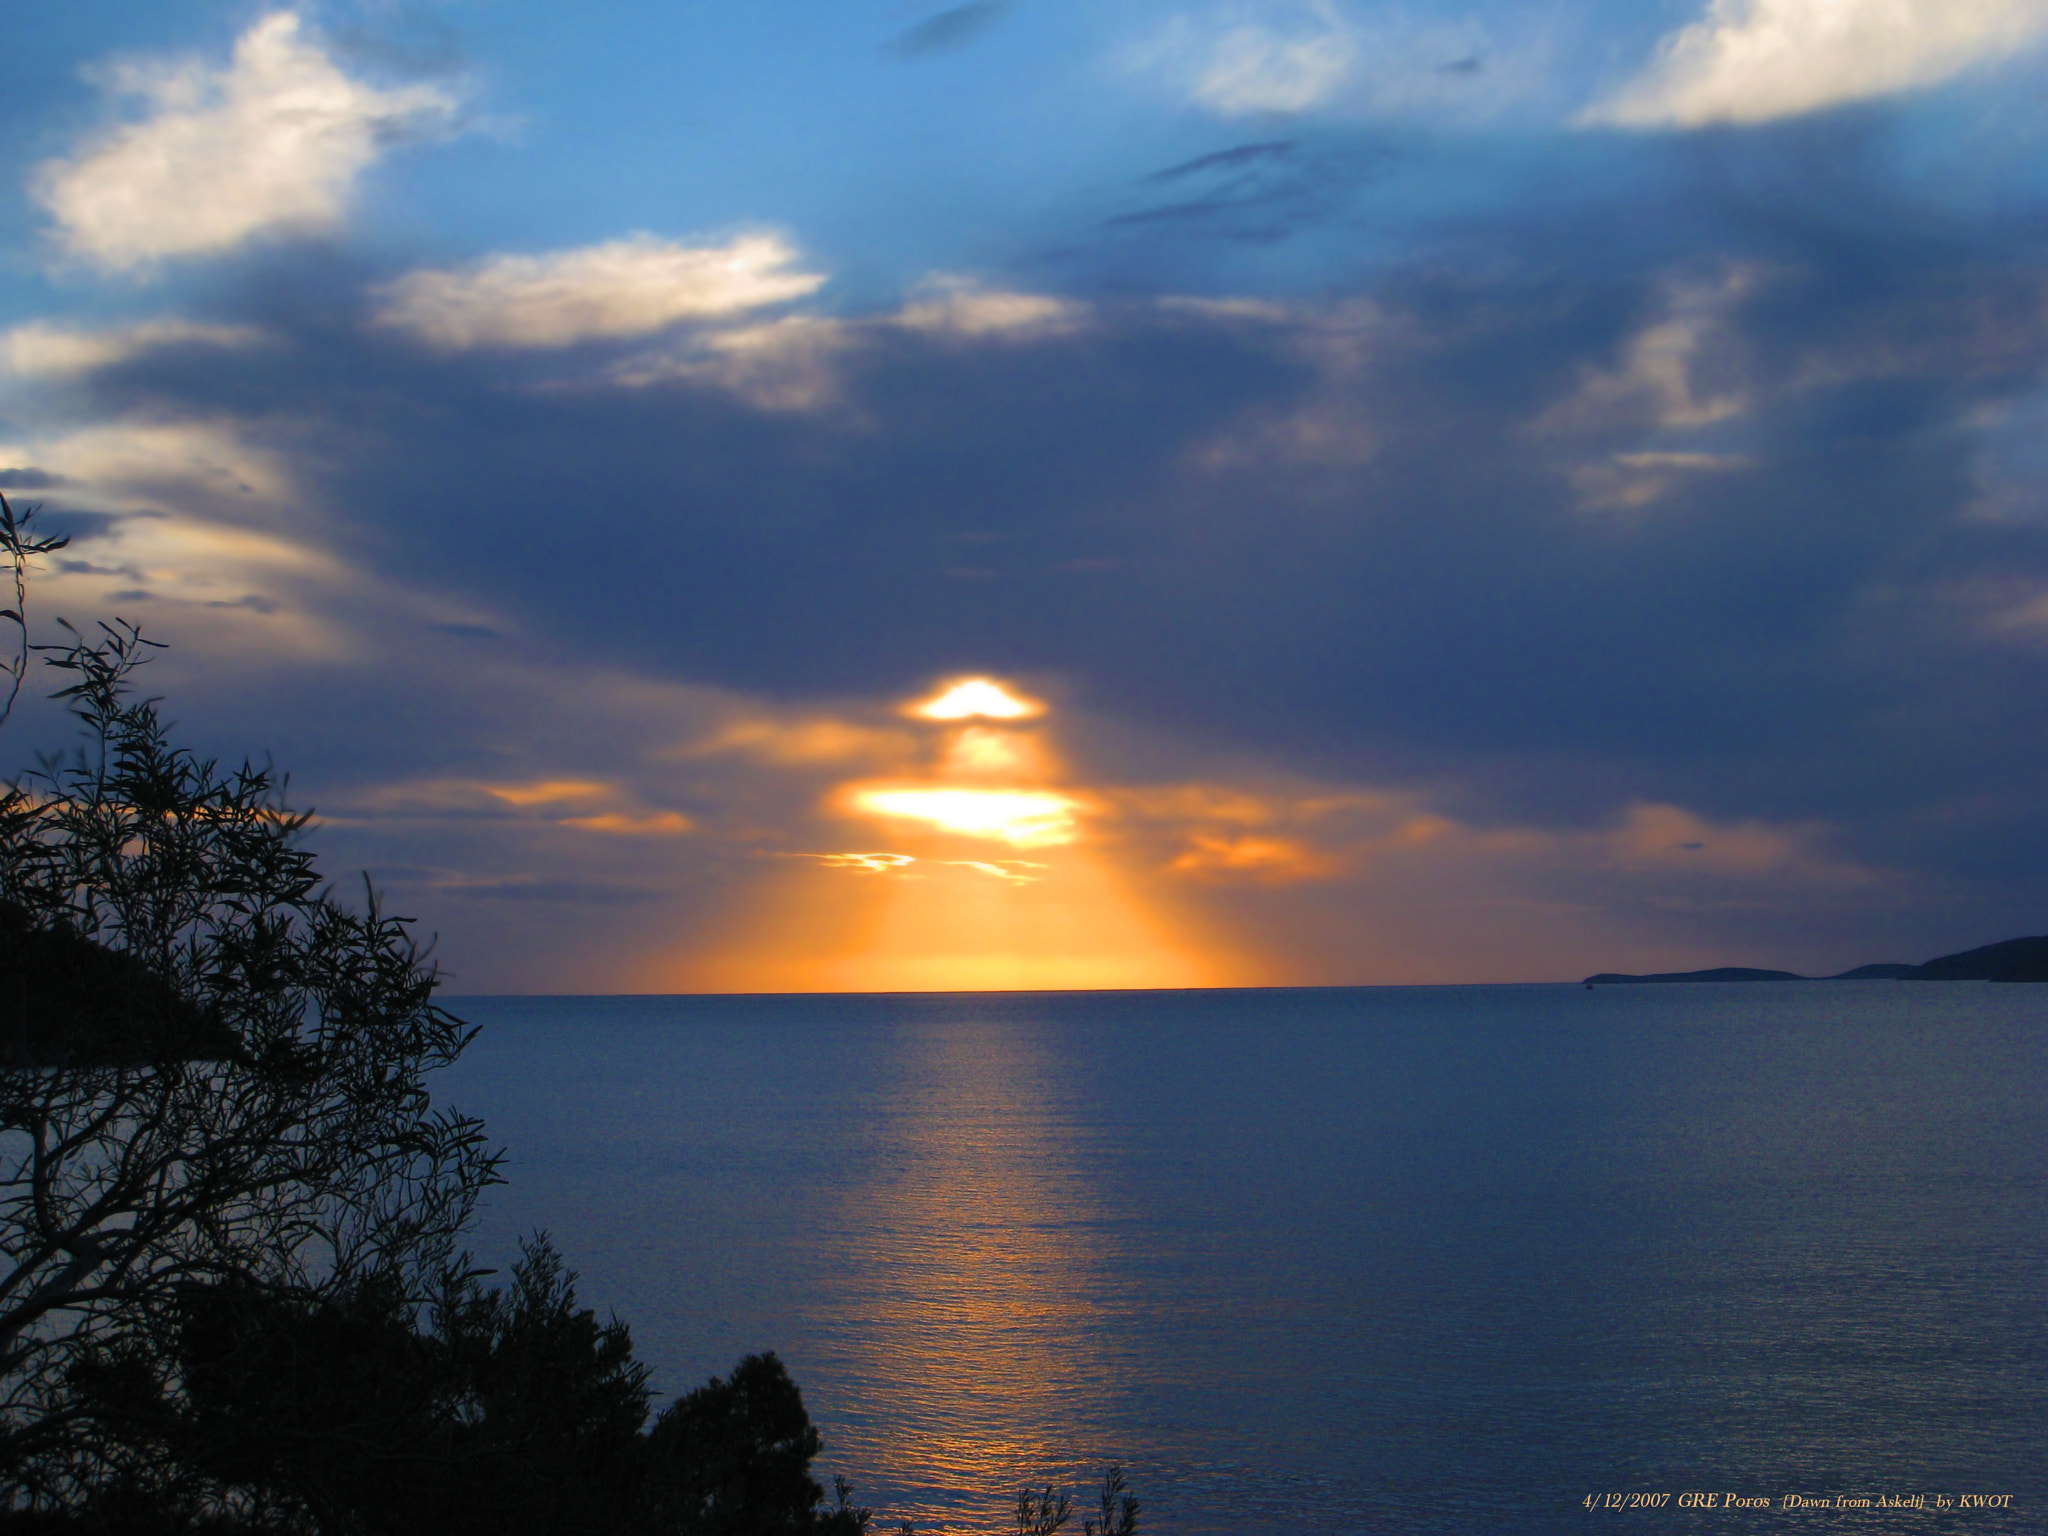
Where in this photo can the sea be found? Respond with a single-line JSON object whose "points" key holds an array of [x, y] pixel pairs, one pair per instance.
{"points": [[1376, 1259]]}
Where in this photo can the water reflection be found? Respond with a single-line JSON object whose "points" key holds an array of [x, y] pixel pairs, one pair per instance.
{"points": [[1388, 1260], [964, 1345]]}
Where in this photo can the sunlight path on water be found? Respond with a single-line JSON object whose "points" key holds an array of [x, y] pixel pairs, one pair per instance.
{"points": [[1357, 1260]]}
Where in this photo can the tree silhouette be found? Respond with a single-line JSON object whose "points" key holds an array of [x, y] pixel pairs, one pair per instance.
{"points": [[215, 1077]]}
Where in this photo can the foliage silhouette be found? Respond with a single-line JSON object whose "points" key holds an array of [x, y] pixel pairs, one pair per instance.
{"points": [[514, 1412], [1043, 1512], [217, 1075], [17, 547]]}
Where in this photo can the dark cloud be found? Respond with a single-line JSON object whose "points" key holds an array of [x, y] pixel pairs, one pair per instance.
{"points": [[80, 526], [1260, 193], [408, 41], [1234, 159], [88, 568], [252, 601], [949, 29], [565, 892], [28, 479], [1452, 527]]}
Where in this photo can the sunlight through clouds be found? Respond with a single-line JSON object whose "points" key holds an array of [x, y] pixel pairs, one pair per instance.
{"points": [[935, 911], [863, 863], [1011, 870], [799, 877], [977, 698], [1023, 818]]}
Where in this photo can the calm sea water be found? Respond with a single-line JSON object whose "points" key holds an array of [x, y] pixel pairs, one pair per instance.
{"points": [[1367, 1259]]}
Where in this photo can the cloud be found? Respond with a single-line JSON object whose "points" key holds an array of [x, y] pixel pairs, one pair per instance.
{"points": [[806, 739], [539, 802], [950, 29], [786, 364], [1679, 371], [208, 466], [654, 824], [1009, 870], [620, 289], [271, 145], [1321, 537], [547, 791], [1628, 482], [797, 362], [41, 350], [1255, 68], [1750, 61], [946, 305], [1288, 57], [204, 522], [1233, 160], [1275, 859], [862, 863], [28, 478]]}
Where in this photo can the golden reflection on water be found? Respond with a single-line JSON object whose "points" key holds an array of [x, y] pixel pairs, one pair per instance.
{"points": [[970, 1336]]}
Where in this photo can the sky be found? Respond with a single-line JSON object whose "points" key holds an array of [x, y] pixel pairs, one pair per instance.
{"points": [[886, 496]]}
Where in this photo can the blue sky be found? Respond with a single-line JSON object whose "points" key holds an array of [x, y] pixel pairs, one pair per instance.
{"points": [[1478, 491]]}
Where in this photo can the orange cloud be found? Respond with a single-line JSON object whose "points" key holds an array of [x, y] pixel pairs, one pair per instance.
{"points": [[1001, 869], [866, 863], [657, 824], [809, 740], [1275, 860], [981, 753], [547, 791]]}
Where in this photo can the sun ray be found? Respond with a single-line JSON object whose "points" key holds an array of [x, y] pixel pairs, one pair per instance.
{"points": [[942, 912], [1023, 818]]}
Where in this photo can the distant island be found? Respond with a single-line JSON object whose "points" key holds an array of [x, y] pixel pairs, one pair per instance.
{"points": [[2011, 960]]}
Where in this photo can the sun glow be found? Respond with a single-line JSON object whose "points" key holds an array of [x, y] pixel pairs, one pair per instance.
{"points": [[977, 698], [944, 909], [1023, 818], [867, 863]]}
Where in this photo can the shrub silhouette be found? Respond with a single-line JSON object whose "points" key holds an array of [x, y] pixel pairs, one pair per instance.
{"points": [[511, 1412]]}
